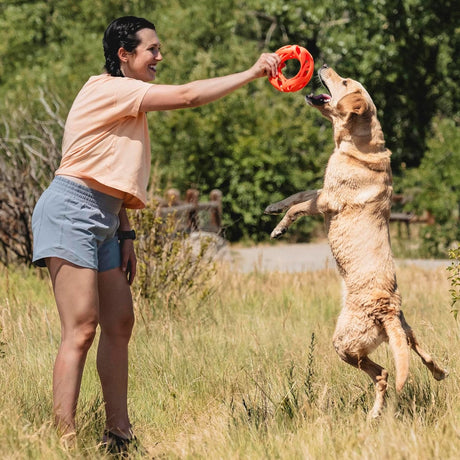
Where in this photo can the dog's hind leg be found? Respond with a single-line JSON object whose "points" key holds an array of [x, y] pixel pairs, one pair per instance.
{"points": [[306, 208], [438, 373], [284, 205], [379, 376]]}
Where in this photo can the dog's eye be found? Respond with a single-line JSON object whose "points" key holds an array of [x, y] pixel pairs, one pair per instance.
{"points": [[345, 83]]}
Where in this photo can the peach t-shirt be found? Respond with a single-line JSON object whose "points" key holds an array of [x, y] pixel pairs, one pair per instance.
{"points": [[106, 138]]}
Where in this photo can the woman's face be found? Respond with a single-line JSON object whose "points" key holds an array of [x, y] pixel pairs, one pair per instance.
{"points": [[141, 63]]}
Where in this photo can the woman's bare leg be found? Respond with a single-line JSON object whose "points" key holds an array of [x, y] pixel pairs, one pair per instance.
{"points": [[75, 291], [116, 319]]}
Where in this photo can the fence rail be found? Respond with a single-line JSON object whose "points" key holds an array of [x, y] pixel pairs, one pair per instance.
{"points": [[408, 218], [191, 213]]}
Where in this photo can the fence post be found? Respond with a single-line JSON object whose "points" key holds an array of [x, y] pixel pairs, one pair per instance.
{"points": [[192, 197], [216, 211], [172, 196]]}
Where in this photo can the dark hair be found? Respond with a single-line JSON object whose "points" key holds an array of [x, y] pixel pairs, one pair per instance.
{"points": [[121, 33]]}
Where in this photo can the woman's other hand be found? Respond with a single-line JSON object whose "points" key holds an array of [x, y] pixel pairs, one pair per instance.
{"points": [[128, 260]]}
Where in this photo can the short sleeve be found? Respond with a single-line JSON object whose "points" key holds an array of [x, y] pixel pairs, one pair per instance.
{"points": [[129, 93]]}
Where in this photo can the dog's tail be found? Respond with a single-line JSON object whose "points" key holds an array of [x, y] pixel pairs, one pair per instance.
{"points": [[400, 348]]}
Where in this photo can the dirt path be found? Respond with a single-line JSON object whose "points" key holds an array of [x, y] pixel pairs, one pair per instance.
{"points": [[301, 257]]}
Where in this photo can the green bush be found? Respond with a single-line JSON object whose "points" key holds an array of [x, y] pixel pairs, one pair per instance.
{"points": [[454, 276], [434, 187], [171, 269]]}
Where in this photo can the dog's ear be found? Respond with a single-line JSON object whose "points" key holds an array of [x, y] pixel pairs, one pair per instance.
{"points": [[353, 103]]}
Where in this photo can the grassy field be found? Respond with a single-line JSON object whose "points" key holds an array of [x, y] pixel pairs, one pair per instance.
{"points": [[250, 373]]}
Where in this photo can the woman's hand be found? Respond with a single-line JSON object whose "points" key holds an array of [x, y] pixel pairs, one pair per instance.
{"points": [[128, 256], [128, 260], [266, 65]]}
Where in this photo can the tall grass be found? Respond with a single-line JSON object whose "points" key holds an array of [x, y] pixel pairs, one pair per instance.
{"points": [[249, 374]]}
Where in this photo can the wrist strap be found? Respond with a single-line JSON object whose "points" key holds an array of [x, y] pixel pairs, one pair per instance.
{"points": [[126, 235]]}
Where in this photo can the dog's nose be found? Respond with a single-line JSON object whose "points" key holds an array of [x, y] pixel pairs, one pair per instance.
{"points": [[324, 66]]}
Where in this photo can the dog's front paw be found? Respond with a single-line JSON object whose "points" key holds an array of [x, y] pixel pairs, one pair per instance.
{"points": [[277, 232]]}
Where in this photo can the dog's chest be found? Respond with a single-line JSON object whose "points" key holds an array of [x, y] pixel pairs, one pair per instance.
{"points": [[350, 182]]}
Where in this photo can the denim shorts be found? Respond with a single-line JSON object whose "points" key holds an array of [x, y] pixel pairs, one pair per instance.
{"points": [[78, 224]]}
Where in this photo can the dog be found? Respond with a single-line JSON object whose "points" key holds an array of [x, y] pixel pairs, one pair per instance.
{"points": [[355, 201]]}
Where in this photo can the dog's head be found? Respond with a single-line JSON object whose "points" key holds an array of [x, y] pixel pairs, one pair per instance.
{"points": [[348, 104]]}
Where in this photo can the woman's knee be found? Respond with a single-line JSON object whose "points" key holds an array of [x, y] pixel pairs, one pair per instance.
{"points": [[126, 324], [81, 336], [119, 326]]}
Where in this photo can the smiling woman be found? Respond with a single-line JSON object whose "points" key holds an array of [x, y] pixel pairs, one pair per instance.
{"points": [[81, 229], [141, 64], [122, 38]]}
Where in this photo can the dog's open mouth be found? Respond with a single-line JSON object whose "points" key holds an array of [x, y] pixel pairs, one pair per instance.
{"points": [[319, 99]]}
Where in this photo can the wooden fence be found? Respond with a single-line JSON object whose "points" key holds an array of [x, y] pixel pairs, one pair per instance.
{"points": [[408, 218], [191, 213]]}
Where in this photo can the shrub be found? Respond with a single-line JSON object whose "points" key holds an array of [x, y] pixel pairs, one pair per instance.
{"points": [[30, 150], [170, 266], [434, 187], [454, 276]]}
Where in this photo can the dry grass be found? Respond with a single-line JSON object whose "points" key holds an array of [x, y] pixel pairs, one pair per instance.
{"points": [[249, 374]]}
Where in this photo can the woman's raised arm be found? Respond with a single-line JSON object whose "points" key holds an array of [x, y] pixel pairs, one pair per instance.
{"points": [[200, 92]]}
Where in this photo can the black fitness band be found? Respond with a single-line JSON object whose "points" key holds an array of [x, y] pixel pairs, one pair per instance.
{"points": [[126, 235]]}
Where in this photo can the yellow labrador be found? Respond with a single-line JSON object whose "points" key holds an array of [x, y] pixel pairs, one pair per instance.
{"points": [[355, 201]]}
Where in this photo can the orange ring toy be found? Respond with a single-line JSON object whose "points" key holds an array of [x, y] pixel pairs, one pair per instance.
{"points": [[304, 75]]}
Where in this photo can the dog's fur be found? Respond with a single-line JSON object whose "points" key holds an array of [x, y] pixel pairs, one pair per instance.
{"points": [[355, 201]]}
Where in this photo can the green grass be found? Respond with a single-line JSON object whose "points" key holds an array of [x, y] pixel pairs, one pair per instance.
{"points": [[251, 373]]}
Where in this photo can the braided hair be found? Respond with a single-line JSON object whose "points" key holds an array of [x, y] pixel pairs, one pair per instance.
{"points": [[121, 33]]}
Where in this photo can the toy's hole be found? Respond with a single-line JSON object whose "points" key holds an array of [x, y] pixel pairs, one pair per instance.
{"points": [[291, 69]]}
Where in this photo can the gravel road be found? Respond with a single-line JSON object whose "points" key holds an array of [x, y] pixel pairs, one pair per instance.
{"points": [[301, 257]]}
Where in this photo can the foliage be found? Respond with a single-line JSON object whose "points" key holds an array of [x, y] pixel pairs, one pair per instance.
{"points": [[53, 43], [29, 155], [454, 276], [171, 268], [256, 145], [435, 187], [401, 50]]}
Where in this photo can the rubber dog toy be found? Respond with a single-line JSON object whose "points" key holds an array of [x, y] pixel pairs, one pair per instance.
{"points": [[304, 75]]}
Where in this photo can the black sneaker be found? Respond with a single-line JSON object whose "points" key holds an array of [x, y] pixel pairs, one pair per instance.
{"points": [[119, 446]]}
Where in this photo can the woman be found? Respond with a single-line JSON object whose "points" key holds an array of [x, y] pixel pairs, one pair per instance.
{"points": [[81, 230]]}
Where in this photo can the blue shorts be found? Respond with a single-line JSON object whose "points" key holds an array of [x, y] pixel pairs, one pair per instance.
{"points": [[78, 224]]}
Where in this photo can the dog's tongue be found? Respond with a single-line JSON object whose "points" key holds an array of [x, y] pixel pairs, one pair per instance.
{"points": [[319, 99]]}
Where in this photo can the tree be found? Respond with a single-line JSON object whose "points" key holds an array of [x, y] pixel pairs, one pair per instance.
{"points": [[403, 51]]}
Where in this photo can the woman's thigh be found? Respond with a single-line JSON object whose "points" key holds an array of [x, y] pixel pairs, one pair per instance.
{"points": [[76, 293]]}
